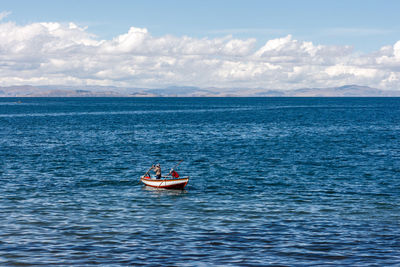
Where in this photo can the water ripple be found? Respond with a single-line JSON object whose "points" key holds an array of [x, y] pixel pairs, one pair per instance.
{"points": [[287, 182]]}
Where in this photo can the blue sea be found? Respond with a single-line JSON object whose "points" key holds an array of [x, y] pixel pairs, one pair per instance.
{"points": [[273, 181]]}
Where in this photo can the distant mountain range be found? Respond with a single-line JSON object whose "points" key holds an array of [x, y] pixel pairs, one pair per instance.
{"points": [[189, 91]]}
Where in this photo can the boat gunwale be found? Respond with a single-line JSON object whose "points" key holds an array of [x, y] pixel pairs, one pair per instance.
{"points": [[163, 180]]}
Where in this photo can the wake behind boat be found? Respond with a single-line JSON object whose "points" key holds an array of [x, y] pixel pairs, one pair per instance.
{"points": [[171, 181]]}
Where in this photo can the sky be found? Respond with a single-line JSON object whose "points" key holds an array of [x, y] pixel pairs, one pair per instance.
{"points": [[222, 44]]}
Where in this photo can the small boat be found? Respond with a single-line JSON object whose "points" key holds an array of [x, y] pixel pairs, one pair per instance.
{"points": [[166, 183]]}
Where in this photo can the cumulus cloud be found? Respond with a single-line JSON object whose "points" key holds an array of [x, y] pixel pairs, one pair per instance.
{"points": [[56, 53]]}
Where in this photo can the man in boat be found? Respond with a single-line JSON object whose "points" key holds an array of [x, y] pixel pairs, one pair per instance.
{"points": [[157, 170], [173, 173]]}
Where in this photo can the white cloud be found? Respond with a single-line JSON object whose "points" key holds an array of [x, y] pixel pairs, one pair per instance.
{"points": [[57, 53], [339, 70], [4, 14]]}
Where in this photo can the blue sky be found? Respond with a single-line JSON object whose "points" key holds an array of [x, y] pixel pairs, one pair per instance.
{"points": [[365, 24], [245, 44]]}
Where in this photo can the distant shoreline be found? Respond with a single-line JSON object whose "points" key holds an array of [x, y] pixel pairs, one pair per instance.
{"points": [[199, 97], [188, 91]]}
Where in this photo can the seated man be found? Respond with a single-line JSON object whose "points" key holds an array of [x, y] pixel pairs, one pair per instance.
{"points": [[174, 174]]}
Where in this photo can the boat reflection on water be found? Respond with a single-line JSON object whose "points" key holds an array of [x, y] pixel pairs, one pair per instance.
{"points": [[165, 192]]}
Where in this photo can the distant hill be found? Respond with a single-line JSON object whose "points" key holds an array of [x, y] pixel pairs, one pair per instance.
{"points": [[181, 91], [190, 91], [343, 91], [64, 91]]}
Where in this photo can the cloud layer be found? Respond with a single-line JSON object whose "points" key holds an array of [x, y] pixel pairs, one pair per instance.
{"points": [[54, 53]]}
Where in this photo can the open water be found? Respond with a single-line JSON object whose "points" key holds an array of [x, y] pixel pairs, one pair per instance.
{"points": [[274, 181]]}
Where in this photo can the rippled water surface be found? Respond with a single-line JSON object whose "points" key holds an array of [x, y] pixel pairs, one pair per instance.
{"points": [[274, 181]]}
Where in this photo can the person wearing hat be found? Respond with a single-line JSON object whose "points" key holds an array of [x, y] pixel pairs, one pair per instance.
{"points": [[157, 170]]}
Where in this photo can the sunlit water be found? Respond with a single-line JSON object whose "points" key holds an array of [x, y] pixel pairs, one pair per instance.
{"points": [[274, 181]]}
